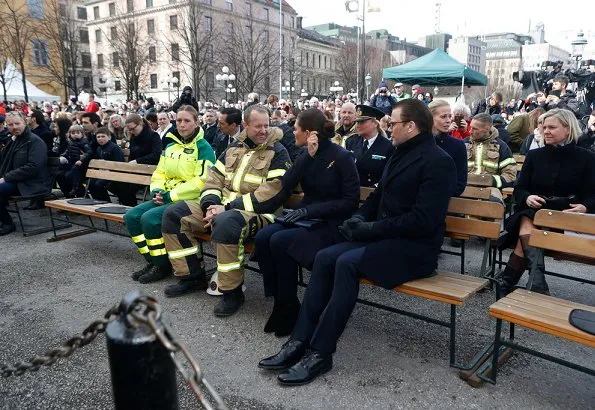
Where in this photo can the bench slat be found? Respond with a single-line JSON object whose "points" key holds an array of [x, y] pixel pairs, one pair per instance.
{"points": [[584, 223], [143, 169], [473, 227], [562, 243], [119, 176], [524, 308], [480, 209], [479, 180], [89, 210], [474, 192]]}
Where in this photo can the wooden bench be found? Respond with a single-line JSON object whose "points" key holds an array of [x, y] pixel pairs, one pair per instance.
{"points": [[543, 313], [138, 174], [475, 192], [483, 180]]}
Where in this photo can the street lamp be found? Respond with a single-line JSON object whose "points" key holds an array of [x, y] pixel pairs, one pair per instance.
{"points": [[225, 76], [106, 83], [436, 90], [171, 81], [304, 93], [353, 6], [336, 88], [287, 88], [578, 46], [368, 79]]}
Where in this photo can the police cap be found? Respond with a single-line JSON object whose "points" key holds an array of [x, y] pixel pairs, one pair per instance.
{"points": [[365, 112]]}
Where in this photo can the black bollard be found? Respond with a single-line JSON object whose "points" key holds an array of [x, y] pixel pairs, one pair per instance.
{"points": [[143, 373]]}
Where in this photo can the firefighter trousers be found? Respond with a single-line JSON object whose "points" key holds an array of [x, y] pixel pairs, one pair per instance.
{"points": [[230, 231], [144, 225]]}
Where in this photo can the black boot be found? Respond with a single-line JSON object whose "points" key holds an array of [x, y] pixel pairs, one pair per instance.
{"points": [[271, 324], [156, 273], [287, 318], [7, 228], [187, 284], [511, 275], [537, 283], [36, 203], [230, 302], [141, 272]]}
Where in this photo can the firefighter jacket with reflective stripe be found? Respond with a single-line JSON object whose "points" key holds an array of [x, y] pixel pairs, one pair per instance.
{"points": [[491, 156], [182, 168], [236, 180], [341, 135]]}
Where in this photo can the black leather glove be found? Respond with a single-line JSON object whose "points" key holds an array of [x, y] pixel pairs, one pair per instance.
{"points": [[351, 222], [295, 215], [363, 231]]}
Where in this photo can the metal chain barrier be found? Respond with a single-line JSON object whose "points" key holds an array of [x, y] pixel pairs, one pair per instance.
{"points": [[142, 310]]}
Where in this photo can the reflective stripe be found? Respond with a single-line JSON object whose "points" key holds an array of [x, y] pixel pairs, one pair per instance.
{"points": [[173, 196], [183, 252], [270, 217], [498, 181], [479, 159], [157, 252], [231, 197], [507, 161], [210, 192], [228, 267], [470, 164], [138, 238], [247, 203], [155, 242], [253, 179], [219, 166], [229, 175], [143, 250], [276, 173], [490, 164], [237, 180]]}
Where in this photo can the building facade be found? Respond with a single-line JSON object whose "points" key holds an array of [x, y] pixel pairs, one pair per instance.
{"points": [[470, 51], [535, 54]]}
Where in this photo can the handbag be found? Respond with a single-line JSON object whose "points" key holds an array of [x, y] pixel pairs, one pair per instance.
{"points": [[558, 203]]}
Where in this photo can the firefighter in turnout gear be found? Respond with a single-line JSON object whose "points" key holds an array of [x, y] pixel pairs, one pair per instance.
{"points": [[345, 127], [180, 175], [230, 204], [489, 155]]}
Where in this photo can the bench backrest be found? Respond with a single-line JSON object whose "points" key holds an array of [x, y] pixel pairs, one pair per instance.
{"points": [[569, 241], [474, 218], [475, 192], [479, 180], [139, 174]]}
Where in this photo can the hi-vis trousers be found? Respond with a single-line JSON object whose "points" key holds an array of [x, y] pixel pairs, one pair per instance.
{"points": [[230, 231], [144, 225]]}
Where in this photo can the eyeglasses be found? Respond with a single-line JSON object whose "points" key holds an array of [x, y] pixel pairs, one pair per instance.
{"points": [[393, 123]]}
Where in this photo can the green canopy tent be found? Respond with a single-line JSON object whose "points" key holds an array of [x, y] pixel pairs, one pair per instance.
{"points": [[435, 68]]}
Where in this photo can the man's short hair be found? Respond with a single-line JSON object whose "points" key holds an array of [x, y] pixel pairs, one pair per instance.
{"points": [[258, 108], [497, 96], [92, 116], [562, 79], [484, 118], [414, 110], [232, 115], [38, 115], [151, 116]]}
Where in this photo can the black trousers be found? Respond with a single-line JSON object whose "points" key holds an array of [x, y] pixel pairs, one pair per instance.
{"points": [[279, 270], [125, 192], [330, 297]]}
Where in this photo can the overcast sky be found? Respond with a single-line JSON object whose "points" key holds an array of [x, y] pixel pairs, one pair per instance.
{"points": [[413, 19]]}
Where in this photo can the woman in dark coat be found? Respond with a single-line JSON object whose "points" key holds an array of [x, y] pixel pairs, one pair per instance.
{"points": [[559, 176], [22, 167], [328, 176]]}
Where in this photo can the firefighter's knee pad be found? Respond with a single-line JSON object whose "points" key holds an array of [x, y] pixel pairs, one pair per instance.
{"points": [[170, 223], [227, 227]]}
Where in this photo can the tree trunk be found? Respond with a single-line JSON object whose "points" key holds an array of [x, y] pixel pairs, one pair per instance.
{"points": [[24, 79]]}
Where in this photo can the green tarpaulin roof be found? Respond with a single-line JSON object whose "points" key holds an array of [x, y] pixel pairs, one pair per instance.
{"points": [[435, 68]]}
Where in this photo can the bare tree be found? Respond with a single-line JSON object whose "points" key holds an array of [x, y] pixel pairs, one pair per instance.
{"points": [[63, 32], [347, 65], [130, 53], [252, 55], [5, 76], [195, 53], [16, 34]]}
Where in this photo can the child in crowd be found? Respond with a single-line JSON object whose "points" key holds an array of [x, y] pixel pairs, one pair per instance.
{"points": [[108, 151], [73, 162]]}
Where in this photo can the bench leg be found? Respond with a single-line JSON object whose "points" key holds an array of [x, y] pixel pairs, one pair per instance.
{"points": [[463, 257], [495, 354], [453, 334], [16, 205]]}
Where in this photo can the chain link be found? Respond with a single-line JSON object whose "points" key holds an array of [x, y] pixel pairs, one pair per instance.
{"points": [[64, 350]]}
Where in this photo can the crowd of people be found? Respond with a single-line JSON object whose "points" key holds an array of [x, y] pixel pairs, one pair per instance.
{"points": [[229, 170]]}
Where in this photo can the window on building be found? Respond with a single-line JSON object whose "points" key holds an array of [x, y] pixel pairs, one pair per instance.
{"points": [[36, 10], [149, 3], [173, 22], [84, 36], [152, 54], [86, 82], [40, 53], [96, 12], [283, 40], [150, 26], [325, 62], [265, 34], [177, 75], [210, 79], [319, 60], [115, 59], [249, 5], [153, 80], [117, 85], [266, 14], [210, 52], [113, 33], [292, 22], [230, 28], [293, 43], [307, 59], [81, 13], [209, 2], [229, 4], [208, 23], [129, 6], [112, 9], [100, 63], [282, 19], [98, 37], [175, 52], [267, 83], [86, 60]]}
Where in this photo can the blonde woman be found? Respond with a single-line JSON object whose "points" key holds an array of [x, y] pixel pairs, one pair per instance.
{"points": [[559, 176], [117, 129]]}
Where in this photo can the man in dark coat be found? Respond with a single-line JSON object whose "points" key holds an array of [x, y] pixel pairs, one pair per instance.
{"points": [[394, 237], [185, 99], [230, 126], [22, 168], [489, 106], [36, 124], [370, 148], [211, 127]]}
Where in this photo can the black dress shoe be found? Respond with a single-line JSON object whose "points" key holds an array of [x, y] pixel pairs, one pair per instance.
{"points": [[291, 352], [185, 286], [312, 365], [141, 272], [7, 228], [230, 302], [35, 204], [156, 273]]}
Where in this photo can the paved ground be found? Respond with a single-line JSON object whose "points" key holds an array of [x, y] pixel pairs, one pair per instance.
{"points": [[50, 291]]}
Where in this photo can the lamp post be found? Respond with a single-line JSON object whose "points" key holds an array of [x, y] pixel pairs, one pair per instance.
{"points": [[304, 93], [368, 80], [106, 83], [171, 80], [225, 76], [578, 47], [336, 88], [287, 88], [353, 6]]}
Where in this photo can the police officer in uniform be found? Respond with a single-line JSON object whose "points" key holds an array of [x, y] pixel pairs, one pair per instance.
{"points": [[371, 148]]}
